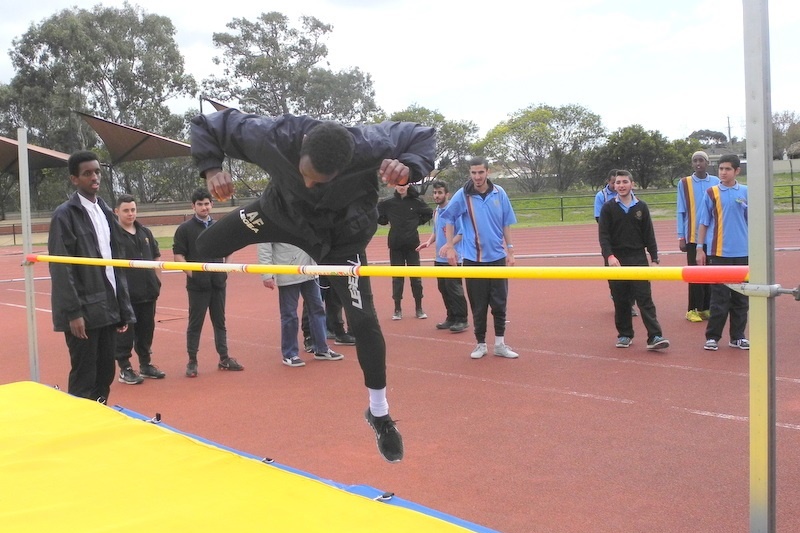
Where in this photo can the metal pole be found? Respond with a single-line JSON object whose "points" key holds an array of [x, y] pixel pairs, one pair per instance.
{"points": [[762, 268], [27, 247]]}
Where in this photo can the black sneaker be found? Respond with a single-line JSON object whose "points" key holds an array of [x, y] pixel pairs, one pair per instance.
{"points": [[444, 325], [229, 363], [308, 345], [129, 377], [390, 442], [151, 371], [191, 369], [330, 355], [345, 339], [458, 327]]}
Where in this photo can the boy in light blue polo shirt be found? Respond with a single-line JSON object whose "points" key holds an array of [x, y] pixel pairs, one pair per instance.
{"points": [[723, 229]]}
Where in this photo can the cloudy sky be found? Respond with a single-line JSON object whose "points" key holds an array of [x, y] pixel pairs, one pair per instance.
{"points": [[674, 66]]}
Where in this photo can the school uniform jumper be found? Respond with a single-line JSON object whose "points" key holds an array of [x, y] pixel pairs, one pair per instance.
{"points": [[625, 232]]}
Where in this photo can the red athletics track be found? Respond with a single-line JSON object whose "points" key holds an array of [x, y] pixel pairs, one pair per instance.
{"points": [[574, 436]]}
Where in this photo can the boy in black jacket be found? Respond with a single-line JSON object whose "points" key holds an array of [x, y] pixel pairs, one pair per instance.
{"points": [[144, 286], [90, 303], [403, 212], [626, 229]]}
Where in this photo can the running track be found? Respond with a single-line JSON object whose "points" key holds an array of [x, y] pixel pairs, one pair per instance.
{"points": [[574, 436]]}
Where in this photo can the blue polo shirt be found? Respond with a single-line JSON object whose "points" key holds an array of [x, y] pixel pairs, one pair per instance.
{"points": [[725, 213], [483, 218], [441, 238]]}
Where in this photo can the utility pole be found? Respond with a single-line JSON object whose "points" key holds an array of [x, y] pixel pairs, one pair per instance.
{"points": [[730, 140]]}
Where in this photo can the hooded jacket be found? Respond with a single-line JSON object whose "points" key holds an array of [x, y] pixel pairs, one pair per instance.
{"points": [[82, 290], [280, 253], [338, 216]]}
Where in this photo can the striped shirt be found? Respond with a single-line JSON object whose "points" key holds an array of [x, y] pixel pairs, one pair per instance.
{"points": [[725, 213], [690, 200]]}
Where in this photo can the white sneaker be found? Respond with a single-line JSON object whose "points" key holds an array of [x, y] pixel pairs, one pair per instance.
{"points": [[479, 351], [502, 350]]}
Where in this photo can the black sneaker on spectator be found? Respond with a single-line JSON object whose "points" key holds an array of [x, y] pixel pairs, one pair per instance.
{"points": [[308, 345], [390, 442], [191, 369], [151, 371], [229, 363], [344, 339], [293, 361], [130, 377], [458, 327], [330, 355]]}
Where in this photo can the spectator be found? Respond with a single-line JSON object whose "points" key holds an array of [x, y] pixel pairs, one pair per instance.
{"points": [[90, 303], [625, 231], [691, 192], [404, 212], [290, 287], [144, 286], [723, 230], [206, 290], [450, 288], [486, 217]]}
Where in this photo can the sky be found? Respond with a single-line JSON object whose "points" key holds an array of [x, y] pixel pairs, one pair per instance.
{"points": [[673, 66]]}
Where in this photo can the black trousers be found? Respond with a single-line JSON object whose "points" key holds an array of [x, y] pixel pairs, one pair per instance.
{"points": [[727, 303], [699, 293], [355, 292], [213, 301], [139, 336], [485, 294], [406, 255], [452, 292], [92, 362], [625, 293]]}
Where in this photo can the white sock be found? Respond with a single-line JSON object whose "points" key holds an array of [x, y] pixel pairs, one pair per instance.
{"points": [[378, 405], [499, 341]]}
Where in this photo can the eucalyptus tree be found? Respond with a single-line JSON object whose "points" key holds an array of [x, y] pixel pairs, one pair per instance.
{"points": [[272, 68], [454, 142], [119, 63]]}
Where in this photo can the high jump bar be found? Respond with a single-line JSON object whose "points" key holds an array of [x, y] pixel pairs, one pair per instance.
{"points": [[688, 274]]}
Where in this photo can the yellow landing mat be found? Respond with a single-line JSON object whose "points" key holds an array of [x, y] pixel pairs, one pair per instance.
{"points": [[68, 464]]}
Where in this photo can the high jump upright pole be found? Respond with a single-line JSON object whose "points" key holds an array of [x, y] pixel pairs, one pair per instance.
{"points": [[762, 265], [27, 247]]}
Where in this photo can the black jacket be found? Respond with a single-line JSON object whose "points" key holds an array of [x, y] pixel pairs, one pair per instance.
{"points": [[143, 283], [338, 216], [403, 216], [626, 235], [185, 244], [81, 290]]}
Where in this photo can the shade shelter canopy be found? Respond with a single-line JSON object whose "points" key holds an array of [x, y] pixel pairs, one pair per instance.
{"points": [[125, 143], [217, 105], [37, 157]]}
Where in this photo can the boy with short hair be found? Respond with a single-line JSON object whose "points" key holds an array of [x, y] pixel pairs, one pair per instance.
{"points": [[723, 228], [626, 230]]}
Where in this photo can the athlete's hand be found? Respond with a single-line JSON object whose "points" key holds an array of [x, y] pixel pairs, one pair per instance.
{"points": [[270, 284], [219, 183], [393, 172], [682, 244]]}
